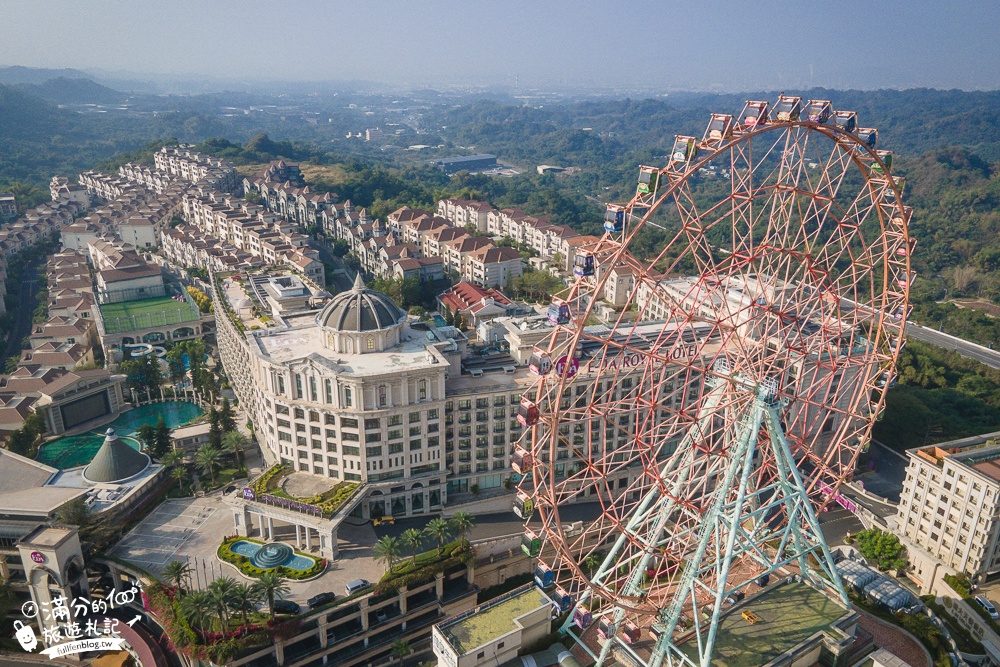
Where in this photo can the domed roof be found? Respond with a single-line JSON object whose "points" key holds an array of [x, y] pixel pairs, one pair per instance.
{"points": [[360, 309], [115, 461]]}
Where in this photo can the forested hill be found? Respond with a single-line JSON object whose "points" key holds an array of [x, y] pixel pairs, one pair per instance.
{"points": [[910, 122]]}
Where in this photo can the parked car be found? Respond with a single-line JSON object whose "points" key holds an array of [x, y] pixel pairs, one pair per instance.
{"points": [[321, 599], [988, 606], [357, 585], [286, 607]]}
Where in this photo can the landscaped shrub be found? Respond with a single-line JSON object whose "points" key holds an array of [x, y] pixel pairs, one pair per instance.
{"points": [[244, 565]]}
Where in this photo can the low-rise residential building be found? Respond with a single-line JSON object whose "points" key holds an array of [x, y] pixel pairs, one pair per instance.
{"points": [[478, 304], [193, 167]]}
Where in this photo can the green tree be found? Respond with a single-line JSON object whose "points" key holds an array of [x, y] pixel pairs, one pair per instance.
{"points": [[412, 539], [227, 416], [8, 599], [179, 474], [221, 592], [340, 247], [175, 361], [214, 429], [161, 440], [439, 530], [208, 459], [245, 598], [74, 513], [21, 442], [387, 550], [400, 649], [235, 442], [174, 458], [462, 523], [272, 586], [147, 436], [882, 548], [591, 563], [197, 608], [177, 574]]}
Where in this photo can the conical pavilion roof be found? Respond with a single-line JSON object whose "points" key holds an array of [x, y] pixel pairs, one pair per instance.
{"points": [[115, 461]]}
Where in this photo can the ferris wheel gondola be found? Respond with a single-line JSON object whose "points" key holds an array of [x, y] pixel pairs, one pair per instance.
{"points": [[730, 395]]}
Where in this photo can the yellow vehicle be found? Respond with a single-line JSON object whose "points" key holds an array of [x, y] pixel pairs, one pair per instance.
{"points": [[750, 617], [386, 520]]}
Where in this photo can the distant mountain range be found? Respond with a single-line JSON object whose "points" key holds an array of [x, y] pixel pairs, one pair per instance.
{"points": [[60, 86]]}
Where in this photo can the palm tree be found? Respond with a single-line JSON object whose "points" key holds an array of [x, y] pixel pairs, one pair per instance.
{"points": [[179, 474], [462, 523], [208, 459], [197, 608], [235, 442], [272, 585], [387, 550], [245, 599], [176, 573], [412, 539], [439, 530], [401, 649], [174, 458], [220, 594], [591, 563]]}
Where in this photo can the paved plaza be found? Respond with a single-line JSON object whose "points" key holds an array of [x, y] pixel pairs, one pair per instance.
{"points": [[191, 529]]}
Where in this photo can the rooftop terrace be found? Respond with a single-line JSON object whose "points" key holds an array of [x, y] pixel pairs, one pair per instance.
{"points": [[492, 621], [789, 614], [147, 313]]}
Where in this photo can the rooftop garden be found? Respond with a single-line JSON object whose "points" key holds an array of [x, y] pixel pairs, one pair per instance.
{"points": [[330, 501]]}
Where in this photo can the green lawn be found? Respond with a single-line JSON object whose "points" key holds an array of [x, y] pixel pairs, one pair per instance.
{"points": [[131, 315]]}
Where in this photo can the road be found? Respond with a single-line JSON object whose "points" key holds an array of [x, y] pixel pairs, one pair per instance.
{"points": [[493, 525], [888, 470], [836, 522], [25, 308], [343, 277], [968, 350]]}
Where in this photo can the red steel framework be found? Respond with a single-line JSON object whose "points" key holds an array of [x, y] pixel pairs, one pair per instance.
{"points": [[786, 271]]}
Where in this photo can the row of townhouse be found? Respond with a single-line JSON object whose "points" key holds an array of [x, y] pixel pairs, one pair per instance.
{"points": [[35, 226], [378, 248], [474, 258], [283, 191], [193, 167], [233, 226], [135, 215], [533, 231], [66, 340], [153, 179]]}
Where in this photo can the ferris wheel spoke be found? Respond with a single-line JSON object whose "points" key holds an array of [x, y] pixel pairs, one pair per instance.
{"points": [[731, 393]]}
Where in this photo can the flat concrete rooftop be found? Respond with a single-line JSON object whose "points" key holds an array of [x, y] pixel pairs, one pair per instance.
{"points": [[789, 614]]}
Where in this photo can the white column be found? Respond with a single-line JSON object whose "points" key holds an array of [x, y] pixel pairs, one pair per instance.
{"points": [[298, 536], [308, 538], [270, 528]]}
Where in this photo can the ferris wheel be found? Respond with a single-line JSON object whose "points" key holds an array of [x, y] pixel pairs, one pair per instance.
{"points": [[711, 376]]}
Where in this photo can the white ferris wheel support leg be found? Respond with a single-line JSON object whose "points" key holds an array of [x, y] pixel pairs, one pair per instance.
{"points": [[679, 460], [730, 516]]}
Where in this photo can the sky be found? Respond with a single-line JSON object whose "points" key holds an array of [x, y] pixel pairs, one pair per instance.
{"points": [[704, 45]]}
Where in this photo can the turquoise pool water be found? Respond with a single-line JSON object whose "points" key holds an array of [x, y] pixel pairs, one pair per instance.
{"points": [[77, 450], [292, 562], [438, 320]]}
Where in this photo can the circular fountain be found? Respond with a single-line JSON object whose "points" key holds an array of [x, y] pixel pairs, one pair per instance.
{"points": [[272, 555]]}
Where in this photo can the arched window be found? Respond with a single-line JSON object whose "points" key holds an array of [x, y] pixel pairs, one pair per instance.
{"points": [[371, 343]]}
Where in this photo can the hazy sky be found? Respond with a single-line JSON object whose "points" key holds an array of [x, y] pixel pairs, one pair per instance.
{"points": [[696, 44]]}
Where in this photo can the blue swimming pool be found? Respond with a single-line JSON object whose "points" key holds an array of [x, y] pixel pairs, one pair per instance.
{"points": [[268, 556], [78, 450]]}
